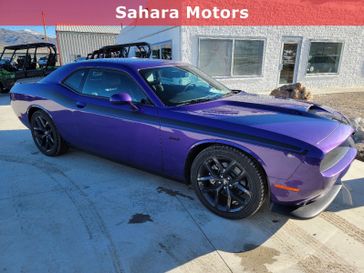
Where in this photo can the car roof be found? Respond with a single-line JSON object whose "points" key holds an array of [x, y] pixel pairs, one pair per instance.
{"points": [[136, 63], [125, 63]]}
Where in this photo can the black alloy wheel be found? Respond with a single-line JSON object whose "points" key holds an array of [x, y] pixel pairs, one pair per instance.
{"points": [[45, 135], [228, 182]]}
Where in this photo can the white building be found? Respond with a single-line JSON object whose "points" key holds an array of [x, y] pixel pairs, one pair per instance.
{"points": [[78, 41], [258, 59]]}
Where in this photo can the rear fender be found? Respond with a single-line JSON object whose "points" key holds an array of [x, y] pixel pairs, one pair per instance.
{"points": [[32, 106]]}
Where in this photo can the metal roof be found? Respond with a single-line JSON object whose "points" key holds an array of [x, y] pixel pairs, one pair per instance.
{"points": [[90, 29]]}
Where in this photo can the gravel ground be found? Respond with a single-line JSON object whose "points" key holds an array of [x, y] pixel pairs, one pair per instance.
{"points": [[351, 105]]}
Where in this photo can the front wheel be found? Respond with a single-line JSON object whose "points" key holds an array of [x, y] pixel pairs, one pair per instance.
{"points": [[228, 182], [45, 135]]}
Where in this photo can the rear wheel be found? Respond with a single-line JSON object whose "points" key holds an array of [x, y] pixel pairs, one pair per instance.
{"points": [[45, 135], [228, 182]]}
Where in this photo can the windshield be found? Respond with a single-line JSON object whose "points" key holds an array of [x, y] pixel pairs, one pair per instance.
{"points": [[179, 85]]}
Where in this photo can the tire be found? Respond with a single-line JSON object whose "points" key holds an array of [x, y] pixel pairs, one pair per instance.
{"points": [[45, 135], [228, 182]]}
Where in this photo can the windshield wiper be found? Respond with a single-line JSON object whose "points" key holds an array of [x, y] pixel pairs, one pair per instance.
{"points": [[199, 100], [232, 93], [194, 101]]}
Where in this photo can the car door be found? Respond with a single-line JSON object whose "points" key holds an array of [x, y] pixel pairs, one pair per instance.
{"points": [[117, 131]]}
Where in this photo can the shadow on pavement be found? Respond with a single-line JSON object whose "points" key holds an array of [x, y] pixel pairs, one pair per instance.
{"points": [[81, 212], [4, 99], [100, 216], [351, 196]]}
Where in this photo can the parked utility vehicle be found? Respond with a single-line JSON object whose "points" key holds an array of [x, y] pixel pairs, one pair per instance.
{"points": [[25, 61]]}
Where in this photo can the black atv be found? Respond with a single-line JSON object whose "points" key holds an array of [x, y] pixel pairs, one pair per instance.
{"points": [[26, 61], [141, 50]]}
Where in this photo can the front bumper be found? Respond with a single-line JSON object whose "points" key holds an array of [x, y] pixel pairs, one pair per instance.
{"points": [[317, 185], [313, 181], [312, 209]]}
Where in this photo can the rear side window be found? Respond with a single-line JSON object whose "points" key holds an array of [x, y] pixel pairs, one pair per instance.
{"points": [[75, 80], [105, 83]]}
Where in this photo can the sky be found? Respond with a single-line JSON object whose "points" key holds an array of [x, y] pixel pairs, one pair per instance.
{"points": [[51, 30]]}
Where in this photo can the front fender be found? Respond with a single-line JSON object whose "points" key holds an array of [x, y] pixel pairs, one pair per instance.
{"points": [[229, 143]]}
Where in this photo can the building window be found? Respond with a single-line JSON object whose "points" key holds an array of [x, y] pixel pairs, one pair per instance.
{"points": [[162, 51], [231, 57], [248, 57], [216, 56], [324, 58]]}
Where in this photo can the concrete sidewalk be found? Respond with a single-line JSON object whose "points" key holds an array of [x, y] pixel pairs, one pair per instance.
{"points": [[81, 213]]}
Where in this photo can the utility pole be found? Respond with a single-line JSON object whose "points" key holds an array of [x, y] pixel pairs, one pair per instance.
{"points": [[44, 27]]}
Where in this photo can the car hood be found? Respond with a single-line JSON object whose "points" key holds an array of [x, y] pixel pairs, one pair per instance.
{"points": [[308, 122]]}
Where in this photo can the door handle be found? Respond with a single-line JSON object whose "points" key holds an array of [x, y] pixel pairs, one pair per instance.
{"points": [[80, 104]]}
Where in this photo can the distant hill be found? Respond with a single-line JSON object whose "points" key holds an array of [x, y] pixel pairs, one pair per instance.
{"points": [[11, 37]]}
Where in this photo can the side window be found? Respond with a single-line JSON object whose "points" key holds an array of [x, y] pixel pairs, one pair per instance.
{"points": [[105, 83], [75, 80]]}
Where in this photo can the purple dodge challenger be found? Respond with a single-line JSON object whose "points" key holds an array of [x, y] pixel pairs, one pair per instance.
{"points": [[236, 149]]}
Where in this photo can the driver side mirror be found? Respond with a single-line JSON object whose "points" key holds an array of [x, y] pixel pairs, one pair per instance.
{"points": [[123, 98]]}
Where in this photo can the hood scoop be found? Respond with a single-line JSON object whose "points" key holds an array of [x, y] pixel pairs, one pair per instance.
{"points": [[328, 113]]}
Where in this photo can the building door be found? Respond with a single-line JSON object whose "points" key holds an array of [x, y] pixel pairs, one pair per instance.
{"points": [[289, 61]]}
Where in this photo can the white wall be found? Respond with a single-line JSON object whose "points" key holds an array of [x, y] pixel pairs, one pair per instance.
{"points": [[351, 70], [152, 35]]}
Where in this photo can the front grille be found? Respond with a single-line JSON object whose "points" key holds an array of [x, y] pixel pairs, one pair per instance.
{"points": [[333, 157]]}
